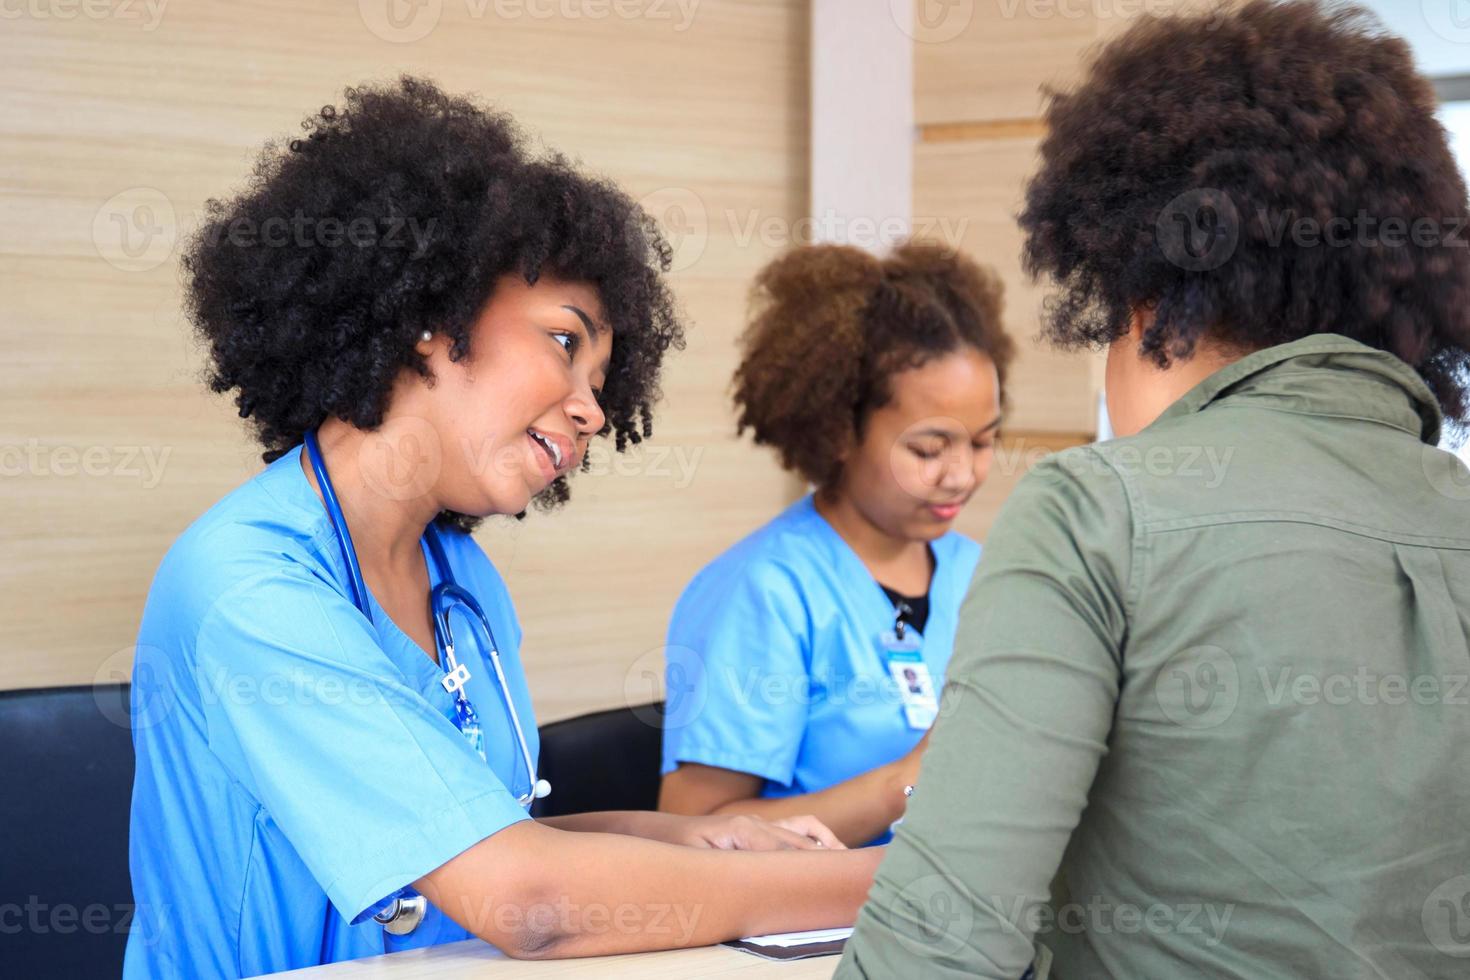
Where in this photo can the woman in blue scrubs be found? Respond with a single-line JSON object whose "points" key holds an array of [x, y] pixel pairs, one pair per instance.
{"points": [[451, 320], [804, 664]]}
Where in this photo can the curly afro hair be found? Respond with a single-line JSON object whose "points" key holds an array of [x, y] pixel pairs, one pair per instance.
{"points": [[830, 326], [1232, 126], [396, 214]]}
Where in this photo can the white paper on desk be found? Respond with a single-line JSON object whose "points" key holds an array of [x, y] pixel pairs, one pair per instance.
{"points": [[785, 939]]}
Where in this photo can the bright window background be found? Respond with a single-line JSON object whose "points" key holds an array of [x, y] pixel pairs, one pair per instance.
{"points": [[1456, 119]]}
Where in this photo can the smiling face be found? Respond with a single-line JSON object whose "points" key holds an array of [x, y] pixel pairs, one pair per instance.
{"points": [[519, 410], [923, 454]]}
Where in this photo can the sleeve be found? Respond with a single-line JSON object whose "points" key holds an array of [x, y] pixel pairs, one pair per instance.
{"points": [[372, 785], [1023, 724], [736, 675]]}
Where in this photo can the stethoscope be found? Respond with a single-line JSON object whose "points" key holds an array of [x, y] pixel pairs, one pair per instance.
{"points": [[404, 914]]}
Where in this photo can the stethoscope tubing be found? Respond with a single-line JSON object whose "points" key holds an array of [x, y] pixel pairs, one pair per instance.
{"points": [[442, 599]]}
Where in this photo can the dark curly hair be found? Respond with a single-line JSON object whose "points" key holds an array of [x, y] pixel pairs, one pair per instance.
{"points": [[396, 214], [1169, 172], [831, 324]]}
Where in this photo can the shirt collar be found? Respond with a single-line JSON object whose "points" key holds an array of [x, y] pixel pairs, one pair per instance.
{"points": [[1324, 374]]}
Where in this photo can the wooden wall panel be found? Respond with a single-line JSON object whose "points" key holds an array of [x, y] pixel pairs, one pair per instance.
{"points": [[980, 184], [704, 114], [987, 59], [979, 67]]}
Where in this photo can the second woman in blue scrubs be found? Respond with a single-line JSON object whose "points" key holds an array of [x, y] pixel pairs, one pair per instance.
{"points": [[804, 664]]}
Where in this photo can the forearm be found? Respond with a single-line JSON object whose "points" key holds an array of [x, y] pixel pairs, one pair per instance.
{"points": [[857, 810], [539, 892], [647, 824]]}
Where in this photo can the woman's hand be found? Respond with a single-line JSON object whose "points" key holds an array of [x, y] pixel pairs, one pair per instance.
{"points": [[729, 832], [742, 832], [857, 810]]}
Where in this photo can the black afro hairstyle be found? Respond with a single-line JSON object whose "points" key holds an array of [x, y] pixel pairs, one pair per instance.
{"points": [[1176, 175], [396, 213]]}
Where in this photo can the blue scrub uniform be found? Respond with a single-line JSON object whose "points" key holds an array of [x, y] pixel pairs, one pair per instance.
{"points": [[297, 766], [774, 664]]}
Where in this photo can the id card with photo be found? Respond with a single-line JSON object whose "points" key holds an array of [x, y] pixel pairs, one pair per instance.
{"points": [[911, 676]]}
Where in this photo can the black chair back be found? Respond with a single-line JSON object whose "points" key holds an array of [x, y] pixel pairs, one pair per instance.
{"points": [[607, 760], [66, 768], [66, 765]]}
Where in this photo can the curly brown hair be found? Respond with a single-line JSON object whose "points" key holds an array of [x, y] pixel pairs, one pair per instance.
{"points": [[1169, 173], [831, 325], [309, 327]]}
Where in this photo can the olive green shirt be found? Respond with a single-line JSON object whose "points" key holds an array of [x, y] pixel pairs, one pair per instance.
{"points": [[1216, 674]]}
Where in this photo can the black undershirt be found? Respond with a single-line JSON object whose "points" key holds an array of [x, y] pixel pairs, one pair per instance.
{"points": [[912, 609]]}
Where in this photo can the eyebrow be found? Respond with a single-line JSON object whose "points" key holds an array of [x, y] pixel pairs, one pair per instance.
{"points": [[943, 434], [592, 329]]}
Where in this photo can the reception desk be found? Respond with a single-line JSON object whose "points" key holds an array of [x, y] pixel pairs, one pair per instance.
{"points": [[474, 959]]}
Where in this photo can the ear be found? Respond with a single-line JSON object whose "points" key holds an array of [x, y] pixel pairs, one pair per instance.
{"points": [[1139, 321]]}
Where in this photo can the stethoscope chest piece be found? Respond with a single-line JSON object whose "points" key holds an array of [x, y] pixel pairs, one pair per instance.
{"points": [[404, 915]]}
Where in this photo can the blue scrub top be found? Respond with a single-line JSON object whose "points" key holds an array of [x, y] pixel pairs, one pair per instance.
{"points": [[298, 766], [774, 664]]}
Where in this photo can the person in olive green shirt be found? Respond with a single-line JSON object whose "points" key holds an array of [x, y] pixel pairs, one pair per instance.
{"points": [[1214, 672]]}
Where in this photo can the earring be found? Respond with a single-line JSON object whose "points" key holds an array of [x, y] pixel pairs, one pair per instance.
{"points": [[426, 336]]}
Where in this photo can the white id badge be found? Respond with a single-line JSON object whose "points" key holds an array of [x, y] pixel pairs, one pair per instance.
{"points": [[911, 675]]}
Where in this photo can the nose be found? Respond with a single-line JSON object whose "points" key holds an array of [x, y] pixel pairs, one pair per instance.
{"points": [[958, 475], [586, 414]]}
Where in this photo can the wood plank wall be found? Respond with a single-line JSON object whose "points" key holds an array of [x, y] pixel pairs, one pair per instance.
{"points": [[121, 119], [110, 445], [978, 70]]}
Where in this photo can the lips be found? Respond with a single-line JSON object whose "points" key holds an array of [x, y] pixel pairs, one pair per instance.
{"points": [[553, 451], [946, 512]]}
